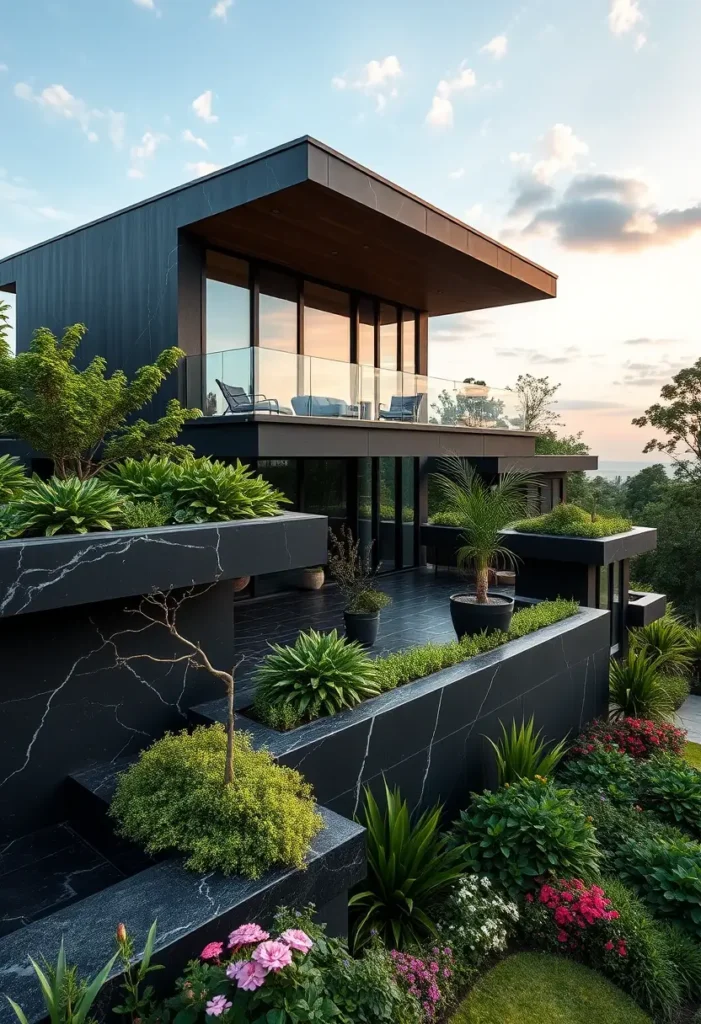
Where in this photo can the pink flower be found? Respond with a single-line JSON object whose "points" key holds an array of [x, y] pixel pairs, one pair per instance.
{"points": [[608, 945], [249, 975], [218, 1004], [297, 939], [212, 951], [273, 955], [247, 935]]}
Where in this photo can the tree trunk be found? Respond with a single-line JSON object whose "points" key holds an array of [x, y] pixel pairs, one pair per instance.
{"points": [[229, 770], [481, 584]]}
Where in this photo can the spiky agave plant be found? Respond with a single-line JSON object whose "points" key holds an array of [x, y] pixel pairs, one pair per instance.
{"points": [[67, 506], [636, 689], [320, 674], [521, 753], [209, 492], [143, 479], [484, 512], [665, 640]]}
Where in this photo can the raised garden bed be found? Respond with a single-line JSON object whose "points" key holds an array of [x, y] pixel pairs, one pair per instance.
{"points": [[428, 736]]}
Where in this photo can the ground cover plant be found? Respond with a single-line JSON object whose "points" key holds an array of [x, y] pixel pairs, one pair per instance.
{"points": [[567, 520], [174, 799], [48, 507], [401, 667]]}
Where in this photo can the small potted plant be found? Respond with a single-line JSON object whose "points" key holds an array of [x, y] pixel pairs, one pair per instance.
{"points": [[484, 511], [312, 578], [353, 572]]}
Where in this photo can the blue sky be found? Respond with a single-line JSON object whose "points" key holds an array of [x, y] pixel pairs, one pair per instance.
{"points": [[492, 111]]}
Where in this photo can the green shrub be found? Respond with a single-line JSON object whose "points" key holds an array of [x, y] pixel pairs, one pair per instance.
{"points": [[212, 492], [369, 601], [613, 821], [567, 520], [446, 519], [677, 689], [665, 641], [320, 674], [527, 831], [8, 522], [522, 754], [635, 689], [410, 866], [143, 479], [670, 788], [537, 616], [13, 479], [685, 954], [174, 799], [650, 972], [67, 506], [602, 772], [666, 876], [142, 515]]}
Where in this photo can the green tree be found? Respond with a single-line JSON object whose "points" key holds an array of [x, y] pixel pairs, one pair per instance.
{"points": [[83, 419], [597, 494], [535, 398], [642, 489], [680, 419], [569, 444], [674, 568], [471, 410], [5, 352]]}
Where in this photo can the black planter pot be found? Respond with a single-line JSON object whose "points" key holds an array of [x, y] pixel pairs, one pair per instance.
{"points": [[362, 626], [469, 617]]}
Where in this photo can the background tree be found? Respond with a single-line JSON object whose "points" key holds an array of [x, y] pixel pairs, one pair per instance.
{"points": [[548, 443], [471, 410], [82, 419], [644, 488], [5, 352], [535, 398], [680, 419]]}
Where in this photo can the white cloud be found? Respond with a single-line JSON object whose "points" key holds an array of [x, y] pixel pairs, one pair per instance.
{"points": [[202, 167], [188, 136], [148, 4], [145, 151], [624, 15], [221, 9], [457, 174], [376, 79], [496, 47], [441, 112], [203, 107], [561, 148], [57, 100], [640, 41], [524, 159]]}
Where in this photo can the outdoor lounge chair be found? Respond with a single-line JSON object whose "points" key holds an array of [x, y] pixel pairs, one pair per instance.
{"points": [[403, 408], [239, 401]]}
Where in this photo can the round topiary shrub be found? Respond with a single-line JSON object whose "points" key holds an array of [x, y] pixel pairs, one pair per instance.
{"points": [[320, 674], [174, 799], [527, 831]]}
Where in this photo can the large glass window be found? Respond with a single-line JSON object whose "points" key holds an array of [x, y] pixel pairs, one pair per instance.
{"points": [[326, 322], [408, 511], [325, 489], [408, 341], [388, 337], [366, 332], [282, 474], [277, 311], [365, 503], [227, 333], [387, 545]]}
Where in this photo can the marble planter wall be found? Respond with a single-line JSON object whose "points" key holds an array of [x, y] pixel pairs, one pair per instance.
{"points": [[428, 737]]}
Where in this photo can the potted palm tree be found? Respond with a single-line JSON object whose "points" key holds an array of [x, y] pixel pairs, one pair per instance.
{"points": [[353, 571], [483, 511]]}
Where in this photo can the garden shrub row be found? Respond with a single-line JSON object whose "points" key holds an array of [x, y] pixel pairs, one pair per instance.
{"points": [[567, 520]]}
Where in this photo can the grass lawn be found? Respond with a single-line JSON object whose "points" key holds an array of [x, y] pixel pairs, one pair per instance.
{"points": [[536, 988], [693, 754]]}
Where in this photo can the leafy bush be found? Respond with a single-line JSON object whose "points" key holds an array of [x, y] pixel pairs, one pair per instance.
{"points": [[612, 821], [446, 519], [677, 689], [353, 571], [143, 479], [638, 737], [666, 876], [212, 492], [143, 515], [685, 954], [13, 479], [526, 831], [416, 662], [522, 754], [604, 772], [410, 866], [320, 674], [665, 641], [8, 522], [173, 798], [635, 689], [567, 520], [671, 789], [369, 602], [565, 913], [476, 920], [67, 506]]}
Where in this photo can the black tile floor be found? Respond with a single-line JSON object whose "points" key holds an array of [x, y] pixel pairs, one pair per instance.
{"points": [[419, 612], [45, 871]]}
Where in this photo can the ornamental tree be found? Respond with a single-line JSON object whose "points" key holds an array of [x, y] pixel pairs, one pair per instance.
{"points": [[680, 420], [535, 398], [82, 419]]}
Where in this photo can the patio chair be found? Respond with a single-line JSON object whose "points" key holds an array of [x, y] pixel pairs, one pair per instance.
{"points": [[238, 401], [403, 408]]}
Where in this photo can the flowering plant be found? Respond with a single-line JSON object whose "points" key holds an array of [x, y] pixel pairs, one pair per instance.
{"points": [[638, 737], [477, 920], [568, 914], [427, 980]]}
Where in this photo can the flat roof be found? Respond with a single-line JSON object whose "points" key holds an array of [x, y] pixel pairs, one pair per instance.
{"points": [[308, 207]]}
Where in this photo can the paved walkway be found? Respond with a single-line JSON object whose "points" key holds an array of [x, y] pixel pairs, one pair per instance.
{"points": [[689, 716]]}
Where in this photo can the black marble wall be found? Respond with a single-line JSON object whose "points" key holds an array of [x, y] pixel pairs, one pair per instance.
{"points": [[65, 704], [428, 737]]}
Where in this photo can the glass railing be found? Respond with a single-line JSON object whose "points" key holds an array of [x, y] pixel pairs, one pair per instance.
{"points": [[239, 382]]}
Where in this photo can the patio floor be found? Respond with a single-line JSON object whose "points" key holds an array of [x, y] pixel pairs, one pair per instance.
{"points": [[419, 612]]}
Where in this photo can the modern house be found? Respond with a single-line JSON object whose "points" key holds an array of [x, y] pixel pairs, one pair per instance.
{"points": [[300, 286]]}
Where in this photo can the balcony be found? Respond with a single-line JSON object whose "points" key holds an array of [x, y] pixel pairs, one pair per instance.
{"points": [[248, 383]]}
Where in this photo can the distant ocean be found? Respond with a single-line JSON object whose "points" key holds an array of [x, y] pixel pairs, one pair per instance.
{"points": [[610, 470]]}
